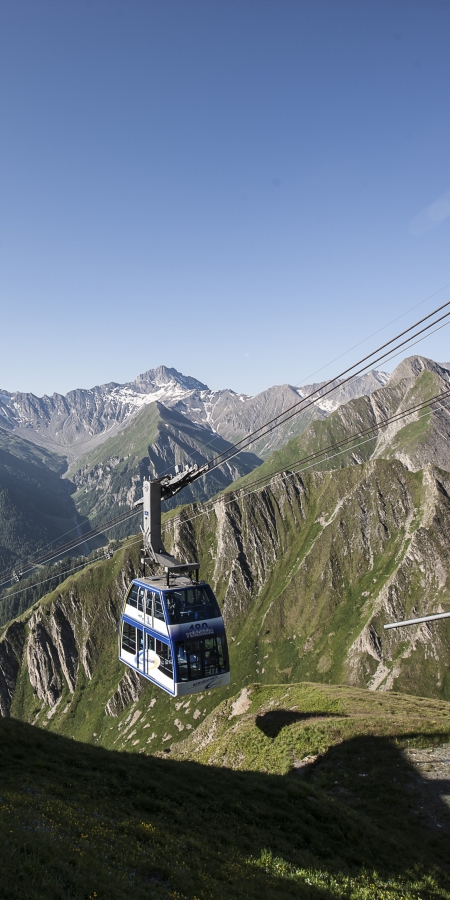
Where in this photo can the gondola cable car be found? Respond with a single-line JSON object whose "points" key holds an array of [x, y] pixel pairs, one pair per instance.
{"points": [[171, 629]]}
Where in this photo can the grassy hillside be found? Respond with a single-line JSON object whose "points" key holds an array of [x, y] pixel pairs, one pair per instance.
{"points": [[287, 783], [133, 440], [79, 822], [36, 506], [277, 728]]}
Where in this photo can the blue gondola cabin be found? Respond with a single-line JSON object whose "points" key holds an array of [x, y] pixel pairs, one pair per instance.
{"points": [[174, 636]]}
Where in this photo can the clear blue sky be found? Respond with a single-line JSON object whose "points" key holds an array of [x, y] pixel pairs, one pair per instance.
{"points": [[238, 189]]}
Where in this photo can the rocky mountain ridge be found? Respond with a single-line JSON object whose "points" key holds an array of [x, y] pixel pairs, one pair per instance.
{"points": [[109, 479], [77, 422], [417, 438]]}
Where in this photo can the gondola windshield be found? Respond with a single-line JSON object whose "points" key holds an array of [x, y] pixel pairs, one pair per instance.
{"points": [[201, 657], [192, 604]]}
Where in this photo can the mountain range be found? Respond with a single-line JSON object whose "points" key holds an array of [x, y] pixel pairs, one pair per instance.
{"points": [[77, 422], [307, 569], [113, 435], [417, 439], [306, 767]]}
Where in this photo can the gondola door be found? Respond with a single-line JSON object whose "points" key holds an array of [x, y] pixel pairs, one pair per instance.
{"points": [[152, 659], [140, 658]]}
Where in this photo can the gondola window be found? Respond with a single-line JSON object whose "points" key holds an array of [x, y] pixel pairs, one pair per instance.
{"points": [[129, 638], [159, 611], [132, 597], [192, 605], [149, 605], [165, 654], [140, 600], [201, 658]]}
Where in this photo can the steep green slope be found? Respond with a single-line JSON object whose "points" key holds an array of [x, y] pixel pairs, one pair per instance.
{"points": [[275, 728], [43, 580], [81, 822], [307, 572], [36, 506], [30, 453], [109, 478]]}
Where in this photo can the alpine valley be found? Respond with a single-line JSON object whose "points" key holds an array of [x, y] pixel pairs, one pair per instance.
{"points": [[105, 440], [307, 763]]}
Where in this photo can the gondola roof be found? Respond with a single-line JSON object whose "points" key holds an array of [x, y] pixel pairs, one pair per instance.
{"points": [[160, 582]]}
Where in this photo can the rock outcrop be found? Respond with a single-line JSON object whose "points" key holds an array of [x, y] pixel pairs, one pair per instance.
{"points": [[129, 689], [11, 650], [52, 654]]}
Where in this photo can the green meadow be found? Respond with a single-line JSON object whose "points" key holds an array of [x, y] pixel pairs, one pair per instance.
{"points": [[303, 791]]}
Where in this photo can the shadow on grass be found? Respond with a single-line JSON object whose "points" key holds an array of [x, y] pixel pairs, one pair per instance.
{"points": [[374, 778], [79, 822], [272, 722]]}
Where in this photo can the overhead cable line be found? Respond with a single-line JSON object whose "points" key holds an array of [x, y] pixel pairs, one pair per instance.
{"points": [[241, 493], [71, 545], [262, 431], [416, 305], [340, 446], [83, 565], [299, 384], [311, 399]]}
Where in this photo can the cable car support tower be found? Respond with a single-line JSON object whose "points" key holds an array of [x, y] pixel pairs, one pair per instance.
{"points": [[155, 491]]}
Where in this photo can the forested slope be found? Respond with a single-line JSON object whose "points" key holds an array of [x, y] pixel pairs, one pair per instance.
{"points": [[36, 505]]}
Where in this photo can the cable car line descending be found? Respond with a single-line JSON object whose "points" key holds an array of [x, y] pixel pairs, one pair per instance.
{"points": [[319, 456], [378, 331], [240, 493], [195, 472], [171, 630], [310, 400]]}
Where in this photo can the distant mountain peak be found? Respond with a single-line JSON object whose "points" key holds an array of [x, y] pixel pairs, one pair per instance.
{"points": [[413, 366], [162, 376]]}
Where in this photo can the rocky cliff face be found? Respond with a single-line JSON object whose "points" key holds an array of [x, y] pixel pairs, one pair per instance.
{"points": [[60, 641], [312, 568], [11, 653], [307, 571]]}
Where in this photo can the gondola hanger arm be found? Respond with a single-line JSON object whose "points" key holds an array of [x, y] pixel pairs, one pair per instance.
{"points": [[172, 484]]}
